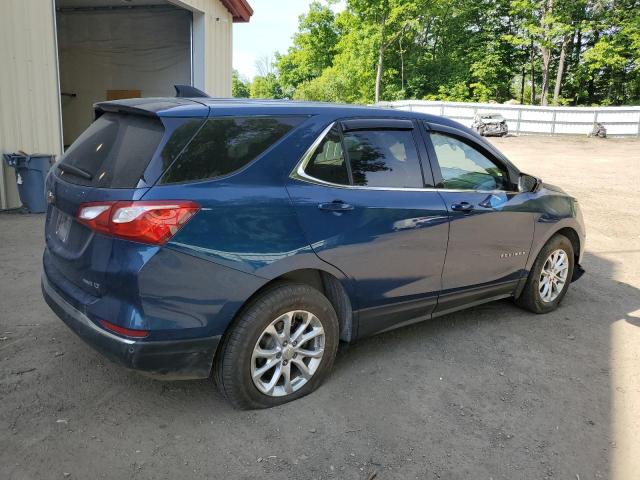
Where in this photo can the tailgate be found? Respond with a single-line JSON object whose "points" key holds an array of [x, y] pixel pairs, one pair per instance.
{"points": [[116, 158], [77, 253]]}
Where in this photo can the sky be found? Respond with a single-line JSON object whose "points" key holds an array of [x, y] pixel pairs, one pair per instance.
{"points": [[270, 29]]}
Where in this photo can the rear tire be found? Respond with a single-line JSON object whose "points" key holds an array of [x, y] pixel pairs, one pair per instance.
{"points": [[289, 331], [549, 277]]}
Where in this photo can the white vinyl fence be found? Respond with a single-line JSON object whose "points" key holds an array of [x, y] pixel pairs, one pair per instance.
{"points": [[619, 121]]}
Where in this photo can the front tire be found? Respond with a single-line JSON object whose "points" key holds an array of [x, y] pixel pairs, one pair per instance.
{"points": [[549, 277], [280, 348]]}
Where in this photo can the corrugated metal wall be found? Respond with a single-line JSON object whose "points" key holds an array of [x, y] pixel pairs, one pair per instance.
{"points": [[29, 97], [218, 25], [29, 102]]}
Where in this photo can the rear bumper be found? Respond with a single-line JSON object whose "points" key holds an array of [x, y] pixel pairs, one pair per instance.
{"points": [[169, 360]]}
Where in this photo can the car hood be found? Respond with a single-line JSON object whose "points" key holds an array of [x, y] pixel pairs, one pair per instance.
{"points": [[554, 188]]}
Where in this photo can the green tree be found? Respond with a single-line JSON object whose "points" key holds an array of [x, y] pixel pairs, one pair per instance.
{"points": [[611, 62], [313, 49], [351, 77], [239, 87], [543, 23], [539, 51], [387, 21], [266, 87]]}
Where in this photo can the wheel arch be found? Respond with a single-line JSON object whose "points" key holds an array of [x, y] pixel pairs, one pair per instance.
{"points": [[568, 231], [573, 237], [331, 287], [327, 284]]}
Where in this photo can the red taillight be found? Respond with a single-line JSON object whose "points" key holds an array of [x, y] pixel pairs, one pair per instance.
{"points": [[126, 332], [153, 222]]}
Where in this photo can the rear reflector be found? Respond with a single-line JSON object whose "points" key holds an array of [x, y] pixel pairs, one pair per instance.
{"points": [[153, 222], [125, 332]]}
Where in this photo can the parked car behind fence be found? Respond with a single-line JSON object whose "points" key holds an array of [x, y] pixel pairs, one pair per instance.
{"points": [[490, 125]]}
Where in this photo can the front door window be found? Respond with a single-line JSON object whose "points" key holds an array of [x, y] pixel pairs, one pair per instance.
{"points": [[465, 168]]}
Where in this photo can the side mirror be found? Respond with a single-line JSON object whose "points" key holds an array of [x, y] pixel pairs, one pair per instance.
{"points": [[528, 183]]}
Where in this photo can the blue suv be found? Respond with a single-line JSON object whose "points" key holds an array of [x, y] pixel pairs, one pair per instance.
{"points": [[189, 237]]}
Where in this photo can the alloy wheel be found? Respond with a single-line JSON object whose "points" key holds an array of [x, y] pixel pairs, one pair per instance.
{"points": [[287, 353], [553, 276]]}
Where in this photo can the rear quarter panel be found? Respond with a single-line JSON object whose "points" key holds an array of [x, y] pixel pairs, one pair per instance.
{"points": [[245, 235]]}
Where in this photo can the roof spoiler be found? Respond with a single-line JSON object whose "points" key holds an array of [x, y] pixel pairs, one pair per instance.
{"points": [[103, 107], [189, 92], [149, 107]]}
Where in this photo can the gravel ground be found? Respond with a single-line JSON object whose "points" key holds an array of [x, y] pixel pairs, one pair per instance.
{"points": [[492, 392]]}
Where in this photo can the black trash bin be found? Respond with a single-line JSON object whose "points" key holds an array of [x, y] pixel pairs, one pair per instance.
{"points": [[31, 172]]}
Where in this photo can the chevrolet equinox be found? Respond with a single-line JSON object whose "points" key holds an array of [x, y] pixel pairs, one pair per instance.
{"points": [[189, 237]]}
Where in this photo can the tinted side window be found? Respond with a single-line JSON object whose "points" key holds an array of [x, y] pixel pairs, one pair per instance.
{"points": [[327, 162], [179, 138], [464, 168], [226, 144], [383, 158]]}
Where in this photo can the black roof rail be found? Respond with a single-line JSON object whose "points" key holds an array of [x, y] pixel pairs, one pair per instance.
{"points": [[189, 91]]}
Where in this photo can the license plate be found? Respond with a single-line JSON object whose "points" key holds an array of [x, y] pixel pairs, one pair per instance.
{"points": [[63, 226]]}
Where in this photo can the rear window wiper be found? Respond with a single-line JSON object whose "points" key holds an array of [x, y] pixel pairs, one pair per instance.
{"points": [[75, 171]]}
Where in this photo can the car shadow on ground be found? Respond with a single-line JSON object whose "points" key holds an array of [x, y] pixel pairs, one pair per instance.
{"points": [[596, 288], [491, 386]]}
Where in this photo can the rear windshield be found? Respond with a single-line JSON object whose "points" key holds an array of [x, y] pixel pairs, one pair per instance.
{"points": [[226, 144], [113, 152]]}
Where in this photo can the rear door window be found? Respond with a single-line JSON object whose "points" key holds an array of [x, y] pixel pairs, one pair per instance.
{"points": [[380, 156], [113, 152], [226, 144], [383, 158]]}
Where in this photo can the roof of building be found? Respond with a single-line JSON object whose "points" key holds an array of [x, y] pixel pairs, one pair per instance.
{"points": [[239, 9]]}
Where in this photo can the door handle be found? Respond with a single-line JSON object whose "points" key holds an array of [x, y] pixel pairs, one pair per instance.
{"points": [[462, 207], [335, 206]]}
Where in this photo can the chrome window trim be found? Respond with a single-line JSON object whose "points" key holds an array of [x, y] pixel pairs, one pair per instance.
{"points": [[298, 173]]}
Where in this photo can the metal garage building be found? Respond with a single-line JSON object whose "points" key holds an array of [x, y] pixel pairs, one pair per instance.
{"points": [[58, 57]]}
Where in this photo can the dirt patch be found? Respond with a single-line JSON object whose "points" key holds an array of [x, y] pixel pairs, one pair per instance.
{"points": [[492, 392]]}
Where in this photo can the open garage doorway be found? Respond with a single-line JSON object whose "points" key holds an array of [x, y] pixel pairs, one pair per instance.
{"points": [[111, 49]]}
